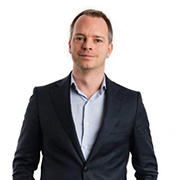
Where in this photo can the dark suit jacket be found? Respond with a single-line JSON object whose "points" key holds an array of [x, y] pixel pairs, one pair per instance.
{"points": [[48, 127]]}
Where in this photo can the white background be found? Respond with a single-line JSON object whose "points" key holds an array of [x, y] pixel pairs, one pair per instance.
{"points": [[34, 51]]}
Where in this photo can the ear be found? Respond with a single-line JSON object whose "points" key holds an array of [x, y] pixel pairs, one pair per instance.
{"points": [[110, 48], [69, 46]]}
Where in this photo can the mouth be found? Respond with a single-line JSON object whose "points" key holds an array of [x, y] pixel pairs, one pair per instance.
{"points": [[86, 56]]}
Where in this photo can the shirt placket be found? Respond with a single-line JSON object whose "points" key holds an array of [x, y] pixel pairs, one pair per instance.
{"points": [[86, 128]]}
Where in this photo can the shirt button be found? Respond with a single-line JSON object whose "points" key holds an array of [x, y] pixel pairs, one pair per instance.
{"points": [[86, 169]]}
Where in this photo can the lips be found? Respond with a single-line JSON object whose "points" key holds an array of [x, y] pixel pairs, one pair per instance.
{"points": [[86, 56]]}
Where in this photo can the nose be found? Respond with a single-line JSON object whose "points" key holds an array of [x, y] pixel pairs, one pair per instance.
{"points": [[87, 45]]}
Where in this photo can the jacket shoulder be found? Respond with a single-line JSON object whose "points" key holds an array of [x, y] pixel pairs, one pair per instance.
{"points": [[54, 85], [122, 88]]}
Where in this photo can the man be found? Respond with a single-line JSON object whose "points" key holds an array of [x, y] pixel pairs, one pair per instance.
{"points": [[85, 125]]}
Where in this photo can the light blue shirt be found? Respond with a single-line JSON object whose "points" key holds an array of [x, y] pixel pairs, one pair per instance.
{"points": [[87, 115]]}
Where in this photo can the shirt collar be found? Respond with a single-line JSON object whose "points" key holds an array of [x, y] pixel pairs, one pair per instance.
{"points": [[103, 85]]}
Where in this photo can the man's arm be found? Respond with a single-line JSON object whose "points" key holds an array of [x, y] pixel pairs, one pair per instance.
{"points": [[143, 157], [29, 145]]}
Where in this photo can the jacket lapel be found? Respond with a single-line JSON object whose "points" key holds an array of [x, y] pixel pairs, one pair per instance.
{"points": [[61, 99], [114, 102]]}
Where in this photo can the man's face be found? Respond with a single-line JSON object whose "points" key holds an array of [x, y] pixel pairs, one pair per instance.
{"points": [[89, 45]]}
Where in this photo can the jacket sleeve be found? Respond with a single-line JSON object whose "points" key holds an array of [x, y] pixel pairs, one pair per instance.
{"points": [[29, 144], [143, 157]]}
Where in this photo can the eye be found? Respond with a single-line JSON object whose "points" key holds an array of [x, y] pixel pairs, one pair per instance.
{"points": [[78, 38], [98, 40]]}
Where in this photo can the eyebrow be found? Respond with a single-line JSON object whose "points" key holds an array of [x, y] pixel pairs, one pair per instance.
{"points": [[79, 34], [101, 37], [95, 36]]}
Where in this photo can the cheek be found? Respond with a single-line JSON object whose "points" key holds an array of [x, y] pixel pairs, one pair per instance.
{"points": [[74, 48], [71, 49], [105, 53]]}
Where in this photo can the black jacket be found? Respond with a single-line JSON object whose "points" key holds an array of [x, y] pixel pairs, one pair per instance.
{"points": [[48, 128]]}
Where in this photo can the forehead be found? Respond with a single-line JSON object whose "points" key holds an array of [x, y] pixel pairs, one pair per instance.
{"points": [[89, 24]]}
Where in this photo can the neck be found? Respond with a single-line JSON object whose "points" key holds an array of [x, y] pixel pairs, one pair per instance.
{"points": [[88, 82]]}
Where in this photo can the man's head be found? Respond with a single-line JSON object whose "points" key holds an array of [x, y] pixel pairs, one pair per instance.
{"points": [[97, 14], [90, 40]]}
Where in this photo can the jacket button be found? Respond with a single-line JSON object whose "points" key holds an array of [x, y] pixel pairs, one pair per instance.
{"points": [[86, 169]]}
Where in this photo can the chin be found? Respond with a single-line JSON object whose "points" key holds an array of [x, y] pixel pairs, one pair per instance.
{"points": [[86, 66]]}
